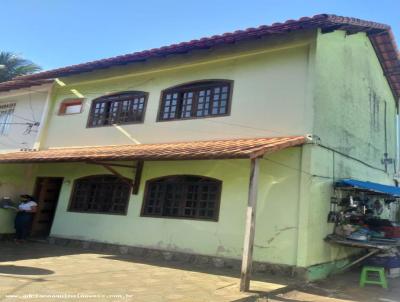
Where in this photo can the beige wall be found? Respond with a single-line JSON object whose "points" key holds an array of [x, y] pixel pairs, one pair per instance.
{"points": [[270, 95], [30, 104]]}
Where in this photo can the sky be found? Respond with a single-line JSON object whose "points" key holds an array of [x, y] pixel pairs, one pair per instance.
{"points": [[56, 33]]}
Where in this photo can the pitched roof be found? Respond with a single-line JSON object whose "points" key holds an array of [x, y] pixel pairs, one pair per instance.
{"points": [[217, 149], [379, 34], [19, 84]]}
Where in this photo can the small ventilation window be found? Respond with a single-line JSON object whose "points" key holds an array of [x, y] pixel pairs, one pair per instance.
{"points": [[71, 106]]}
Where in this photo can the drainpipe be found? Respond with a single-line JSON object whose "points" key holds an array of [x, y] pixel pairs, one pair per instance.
{"points": [[386, 144], [398, 141]]}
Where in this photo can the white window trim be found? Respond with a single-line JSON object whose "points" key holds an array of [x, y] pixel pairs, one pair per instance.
{"points": [[6, 117]]}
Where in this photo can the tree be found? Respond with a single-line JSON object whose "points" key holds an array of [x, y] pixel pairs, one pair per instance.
{"points": [[12, 65]]}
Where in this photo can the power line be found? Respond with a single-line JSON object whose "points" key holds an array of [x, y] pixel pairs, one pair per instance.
{"points": [[35, 124], [248, 127], [296, 169], [23, 118]]}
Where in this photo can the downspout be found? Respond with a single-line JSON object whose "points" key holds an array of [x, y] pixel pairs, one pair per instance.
{"points": [[397, 173], [385, 133]]}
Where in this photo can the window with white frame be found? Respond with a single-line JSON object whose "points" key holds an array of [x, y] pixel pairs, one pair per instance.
{"points": [[6, 113]]}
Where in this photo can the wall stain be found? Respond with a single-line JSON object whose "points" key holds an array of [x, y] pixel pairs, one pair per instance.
{"points": [[262, 246], [374, 109], [280, 231]]}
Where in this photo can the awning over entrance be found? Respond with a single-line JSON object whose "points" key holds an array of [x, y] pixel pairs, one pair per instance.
{"points": [[369, 186], [218, 149]]}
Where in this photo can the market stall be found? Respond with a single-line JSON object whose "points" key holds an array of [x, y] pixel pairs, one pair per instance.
{"points": [[366, 216]]}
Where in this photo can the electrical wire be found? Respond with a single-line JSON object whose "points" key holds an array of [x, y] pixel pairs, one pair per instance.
{"points": [[35, 123], [296, 169], [247, 127], [23, 118], [12, 123]]}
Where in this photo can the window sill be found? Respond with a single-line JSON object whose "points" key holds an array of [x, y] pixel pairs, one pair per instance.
{"points": [[103, 213], [179, 218], [193, 118]]}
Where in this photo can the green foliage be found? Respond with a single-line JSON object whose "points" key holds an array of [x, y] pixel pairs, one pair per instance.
{"points": [[12, 65]]}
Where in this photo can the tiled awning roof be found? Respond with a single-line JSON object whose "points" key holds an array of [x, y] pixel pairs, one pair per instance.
{"points": [[197, 150], [380, 35]]}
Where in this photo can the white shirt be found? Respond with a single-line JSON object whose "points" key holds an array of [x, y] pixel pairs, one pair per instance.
{"points": [[27, 206]]}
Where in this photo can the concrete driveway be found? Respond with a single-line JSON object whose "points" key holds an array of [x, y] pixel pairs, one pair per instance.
{"points": [[42, 272]]}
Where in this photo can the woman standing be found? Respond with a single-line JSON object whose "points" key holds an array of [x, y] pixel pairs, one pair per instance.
{"points": [[24, 217]]}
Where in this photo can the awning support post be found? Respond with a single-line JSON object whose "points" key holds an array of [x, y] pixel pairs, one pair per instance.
{"points": [[249, 232], [133, 183], [138, 177], [116, 173]]}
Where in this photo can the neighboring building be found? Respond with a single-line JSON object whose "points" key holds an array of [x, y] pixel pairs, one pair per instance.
{"points": [[22, 112], [251, 94]]}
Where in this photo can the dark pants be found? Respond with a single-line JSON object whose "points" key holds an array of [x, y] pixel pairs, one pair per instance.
{"points": [[23, 223]]}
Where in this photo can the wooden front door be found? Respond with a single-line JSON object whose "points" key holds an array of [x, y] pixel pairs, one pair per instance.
{"points": [[47, 191]]}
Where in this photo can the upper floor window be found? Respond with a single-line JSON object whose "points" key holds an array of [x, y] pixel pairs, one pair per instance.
{"points": [[6, 114], [200, 99], [182, 196], [71, 106], [105, 194], [122, 108]]}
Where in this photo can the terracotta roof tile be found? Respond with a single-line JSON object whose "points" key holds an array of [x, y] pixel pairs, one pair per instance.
{"points": [[217, 149], [378, 33], [19, 84]]}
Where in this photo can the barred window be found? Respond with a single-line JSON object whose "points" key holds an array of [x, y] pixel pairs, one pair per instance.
{"points": [[106, 194], [122, 108], [182, 196], [6, 114], [202, 99]]}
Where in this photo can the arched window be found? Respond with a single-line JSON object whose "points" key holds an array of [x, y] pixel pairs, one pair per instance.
{"points": [[182, 196], [122, 108], [196, 100], [100, 194]]}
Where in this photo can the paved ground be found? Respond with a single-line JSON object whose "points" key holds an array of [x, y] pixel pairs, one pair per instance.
{"points": [[41, 272]]}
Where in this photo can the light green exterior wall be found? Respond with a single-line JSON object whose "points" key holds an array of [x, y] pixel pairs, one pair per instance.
{"points": [[350, 91], [270, 95], [277, 217], [329, 84], [350, 96]]}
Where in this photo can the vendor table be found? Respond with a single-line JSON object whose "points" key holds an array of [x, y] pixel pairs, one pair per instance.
{"points": [[374, 246]]}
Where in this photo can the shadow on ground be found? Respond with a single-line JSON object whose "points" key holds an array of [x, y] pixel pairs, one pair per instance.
{"points": [[23, 270], [265, 287]]}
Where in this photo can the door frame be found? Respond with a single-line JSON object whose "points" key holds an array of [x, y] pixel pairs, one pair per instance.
{"points": [[36, 192]]}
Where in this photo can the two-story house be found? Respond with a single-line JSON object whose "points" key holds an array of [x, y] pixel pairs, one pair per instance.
{"points": [[187, 149]]}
